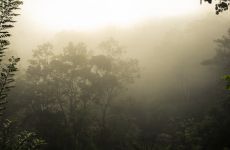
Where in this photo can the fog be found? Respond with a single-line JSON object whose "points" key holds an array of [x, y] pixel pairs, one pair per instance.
{"points": [[166, 101], [169, 50]]}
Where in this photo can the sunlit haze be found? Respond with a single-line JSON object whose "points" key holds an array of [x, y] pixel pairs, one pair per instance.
{"points": [[115, 74], [89, 14]]}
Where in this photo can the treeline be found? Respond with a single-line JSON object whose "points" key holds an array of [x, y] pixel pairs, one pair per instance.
{"points": [[74, 99], [77, 99]]}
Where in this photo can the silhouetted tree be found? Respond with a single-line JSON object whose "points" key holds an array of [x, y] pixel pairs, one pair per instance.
{"points": [[79, 87], [7, 15], [217, 120], [222, 5], [9, 139]]}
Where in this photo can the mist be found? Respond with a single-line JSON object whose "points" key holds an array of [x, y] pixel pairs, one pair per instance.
{"points": [[169, 50], [157, 81]]}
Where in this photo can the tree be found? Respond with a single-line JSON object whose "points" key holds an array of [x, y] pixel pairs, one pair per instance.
{"points": [[11, 140], [113, 73], [216, 120], [221, 58], [222, 5], [80, 88], [7, 15]]}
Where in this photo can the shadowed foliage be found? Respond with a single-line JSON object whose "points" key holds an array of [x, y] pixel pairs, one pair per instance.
{"points": [[10, 138]]}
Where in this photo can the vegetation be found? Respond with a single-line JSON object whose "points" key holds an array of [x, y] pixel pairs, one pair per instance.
{"points": [[10, 138], [6, 21], [77, 91], [222, 5], [78, 99]]}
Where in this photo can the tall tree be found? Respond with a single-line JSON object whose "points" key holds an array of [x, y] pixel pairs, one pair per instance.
{"points": [[80, 87], [7, 15], [10, 139]]}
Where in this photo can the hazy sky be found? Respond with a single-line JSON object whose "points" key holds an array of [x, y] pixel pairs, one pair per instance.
{"points": [[88, 14]]}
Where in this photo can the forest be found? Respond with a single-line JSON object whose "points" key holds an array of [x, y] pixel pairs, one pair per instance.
{"points": [[86, 92]]}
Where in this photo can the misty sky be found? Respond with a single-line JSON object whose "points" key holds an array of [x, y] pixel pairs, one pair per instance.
{"points": [[140, 25], [151, 31], [90, 14]]}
